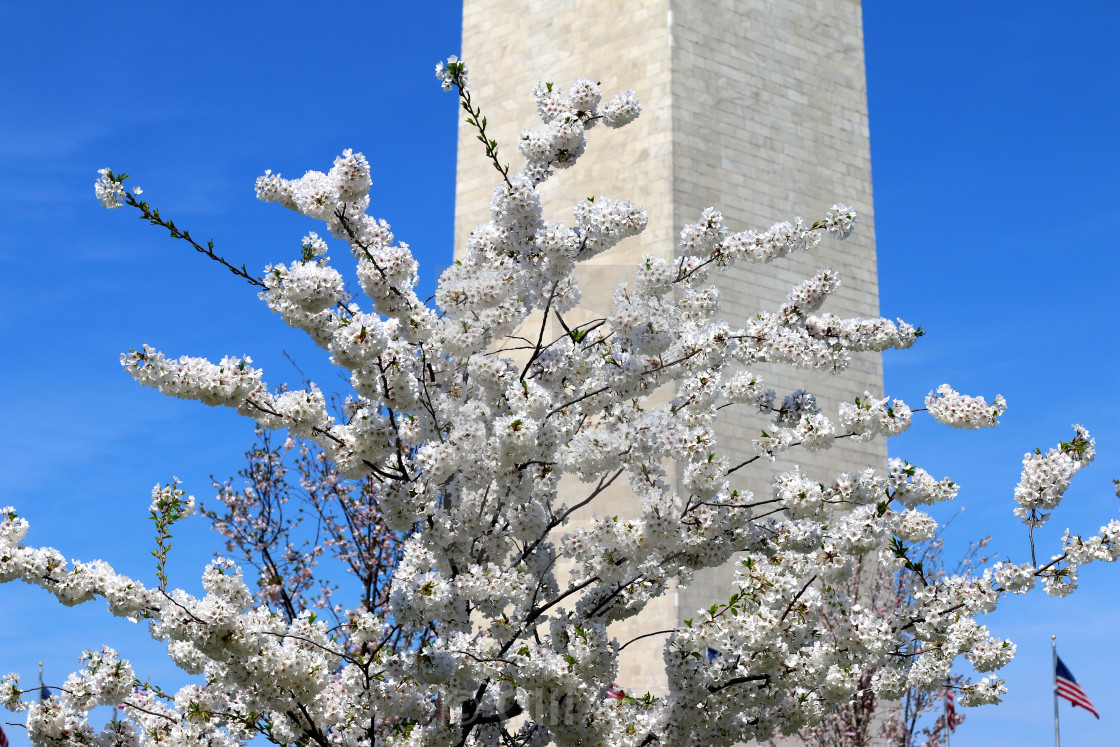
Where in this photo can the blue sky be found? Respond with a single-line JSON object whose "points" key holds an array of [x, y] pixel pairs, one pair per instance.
{"points": [[995, 164]]}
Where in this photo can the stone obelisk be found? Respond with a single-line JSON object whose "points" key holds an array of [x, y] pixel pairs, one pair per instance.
{"points": [[755, 107]]}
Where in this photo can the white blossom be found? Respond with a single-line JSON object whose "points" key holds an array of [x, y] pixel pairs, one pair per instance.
{"points": [[962, 411], [109, 190]]}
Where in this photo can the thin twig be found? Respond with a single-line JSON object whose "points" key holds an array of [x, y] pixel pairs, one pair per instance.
{"points": [[150, 214]]}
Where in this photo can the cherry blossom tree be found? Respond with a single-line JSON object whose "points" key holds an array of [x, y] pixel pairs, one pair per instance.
{"points": [[290, 512], [918, 719], [466, 632]]}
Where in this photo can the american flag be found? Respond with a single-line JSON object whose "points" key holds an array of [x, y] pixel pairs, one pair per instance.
{"points": [[1068, 688], [616, 692], [3, 739], [950, 710]]}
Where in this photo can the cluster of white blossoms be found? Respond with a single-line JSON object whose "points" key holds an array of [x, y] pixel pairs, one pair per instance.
{"points": [[464, 419], [1046, 477], [869, 417], [447, 73], [568, 117], [958, 410], [109, 188]]}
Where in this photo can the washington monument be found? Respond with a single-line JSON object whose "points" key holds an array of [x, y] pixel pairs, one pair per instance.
{"points": [[755, 107]]}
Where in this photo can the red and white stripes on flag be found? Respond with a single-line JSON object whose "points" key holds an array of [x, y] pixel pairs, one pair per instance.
{"points": [[950, 710], [1068, 688]]}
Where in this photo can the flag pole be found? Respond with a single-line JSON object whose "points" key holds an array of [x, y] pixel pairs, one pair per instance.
{"points": [[1054, 682]]}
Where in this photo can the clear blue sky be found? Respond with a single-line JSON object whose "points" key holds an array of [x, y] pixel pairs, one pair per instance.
{"points": [[994, 146]]}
